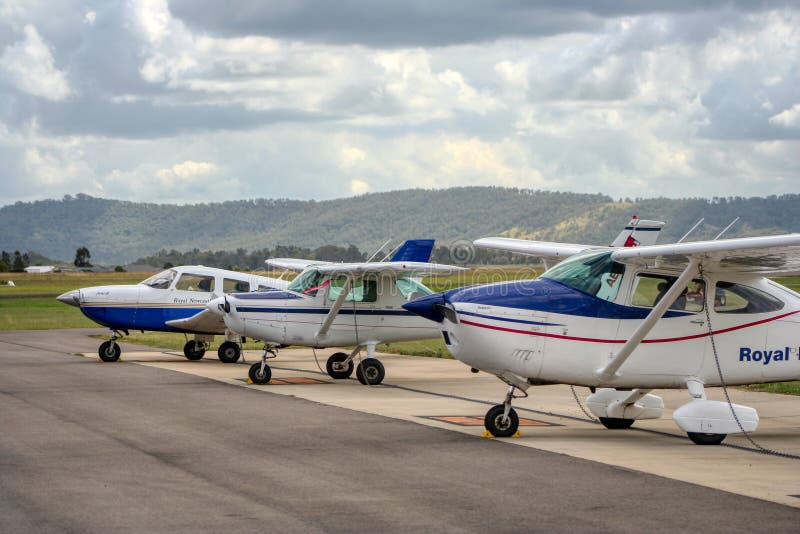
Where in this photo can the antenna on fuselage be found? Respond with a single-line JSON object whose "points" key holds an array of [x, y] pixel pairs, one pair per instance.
{"points": [[692, 229], [378, 251], [726, 228]]}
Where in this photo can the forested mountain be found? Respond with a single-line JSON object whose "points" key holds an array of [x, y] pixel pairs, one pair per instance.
{"points": [[117, 232]]}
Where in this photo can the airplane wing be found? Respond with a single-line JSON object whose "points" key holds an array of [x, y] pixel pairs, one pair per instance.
{"points": [[638, 232], [401, 269], [777, 255], [549, 251], [293, 264], [205, 321]]}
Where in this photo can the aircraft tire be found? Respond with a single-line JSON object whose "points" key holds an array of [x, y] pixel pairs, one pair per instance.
{"points": [[494, 422], [108, 353], [616, 423], [229, 352], [700, 438], [340, 374], [257, 376], [370, 372], [191, 351]]}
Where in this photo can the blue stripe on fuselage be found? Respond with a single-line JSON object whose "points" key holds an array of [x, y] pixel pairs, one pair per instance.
{"points": [[344, 311], [133, 318], [547, 296]]}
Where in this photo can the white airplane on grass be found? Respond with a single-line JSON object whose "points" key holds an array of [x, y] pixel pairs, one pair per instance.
{"points": [[625, 321], [335, 305], [170, 301]]}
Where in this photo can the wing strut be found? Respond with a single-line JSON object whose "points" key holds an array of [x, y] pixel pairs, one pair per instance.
{"points": [[334, 311], [607, 372]]}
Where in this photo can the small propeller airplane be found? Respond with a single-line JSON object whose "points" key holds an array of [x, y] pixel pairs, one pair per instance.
{"points": [[170, 301], [625, 321], [337, 305]]}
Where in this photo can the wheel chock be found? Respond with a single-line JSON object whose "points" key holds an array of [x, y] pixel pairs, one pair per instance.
{"points": [[249, 381], [487, 434]]}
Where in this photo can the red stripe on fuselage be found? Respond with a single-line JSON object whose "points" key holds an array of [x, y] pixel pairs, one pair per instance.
{"points": [[620, 341]]}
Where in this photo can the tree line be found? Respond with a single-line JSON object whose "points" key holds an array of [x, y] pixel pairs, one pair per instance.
{"points": [[243, 260]]}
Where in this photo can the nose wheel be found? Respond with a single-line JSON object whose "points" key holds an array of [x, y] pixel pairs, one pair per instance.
{"points": [[260, 372], [502, 420], [109, 351]]}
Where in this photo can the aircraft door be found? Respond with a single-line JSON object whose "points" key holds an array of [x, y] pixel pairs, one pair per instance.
{"points": [[678, 343], [358, 317]]}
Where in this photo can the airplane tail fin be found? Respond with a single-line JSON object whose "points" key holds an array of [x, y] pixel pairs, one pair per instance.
{"points": [[414, 250], [638, 232]]}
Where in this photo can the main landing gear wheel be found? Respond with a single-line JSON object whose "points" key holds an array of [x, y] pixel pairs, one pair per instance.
{"points": [[616, 423], [499, 426], [370, 372], [337, 369], [706, 439], [109, 351], [229, 352], [194, 350], [260, 373]]}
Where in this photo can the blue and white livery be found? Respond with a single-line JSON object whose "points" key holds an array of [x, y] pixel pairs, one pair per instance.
{"points": [[170, 301], [624, 321]]}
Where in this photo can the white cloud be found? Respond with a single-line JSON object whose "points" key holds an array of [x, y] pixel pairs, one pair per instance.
{"points": [[29, 64], [359, 187], [90, 17], [788, 117], [187, 169]]}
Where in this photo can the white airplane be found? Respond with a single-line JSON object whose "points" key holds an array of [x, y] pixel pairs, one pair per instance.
{"points": [[335, 305], [170, 301], [625, 321]]}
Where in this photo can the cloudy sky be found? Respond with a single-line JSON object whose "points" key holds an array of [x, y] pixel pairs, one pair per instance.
{"points": [[200, 100]]}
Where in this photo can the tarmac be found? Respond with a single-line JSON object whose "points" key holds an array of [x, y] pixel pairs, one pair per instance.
{"points": [[158, 443]]}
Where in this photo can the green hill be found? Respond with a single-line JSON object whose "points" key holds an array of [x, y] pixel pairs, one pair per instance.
{"points": [[120, 231]]}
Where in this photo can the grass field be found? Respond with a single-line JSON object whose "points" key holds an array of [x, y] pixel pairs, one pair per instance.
{"points": [[31, 305]]}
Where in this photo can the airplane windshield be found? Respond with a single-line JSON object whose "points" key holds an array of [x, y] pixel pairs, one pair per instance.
{"points": [[593, 273], [161, 280], [306, 282]]}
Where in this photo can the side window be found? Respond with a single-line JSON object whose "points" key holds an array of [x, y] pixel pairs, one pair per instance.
{"points": [[362, 291], [195, 282], [235, 286], [736, 298], [651, 288]]}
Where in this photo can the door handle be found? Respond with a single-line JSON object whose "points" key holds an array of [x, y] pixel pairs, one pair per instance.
{"points": [[698, 321]]}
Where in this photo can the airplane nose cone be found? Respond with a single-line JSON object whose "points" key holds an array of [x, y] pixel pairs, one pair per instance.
{"points": [[73, 298], [219, 305], [429, 307]]}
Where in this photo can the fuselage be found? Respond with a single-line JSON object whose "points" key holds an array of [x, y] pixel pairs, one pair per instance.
{"points": [[372, 312], [177, 293], [564, 327]]}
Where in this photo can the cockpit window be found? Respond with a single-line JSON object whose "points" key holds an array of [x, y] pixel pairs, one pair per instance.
{"points": [[161, 280], [412, 289], [195, 282], [593, 273], [307, 282], [736, 298]]}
